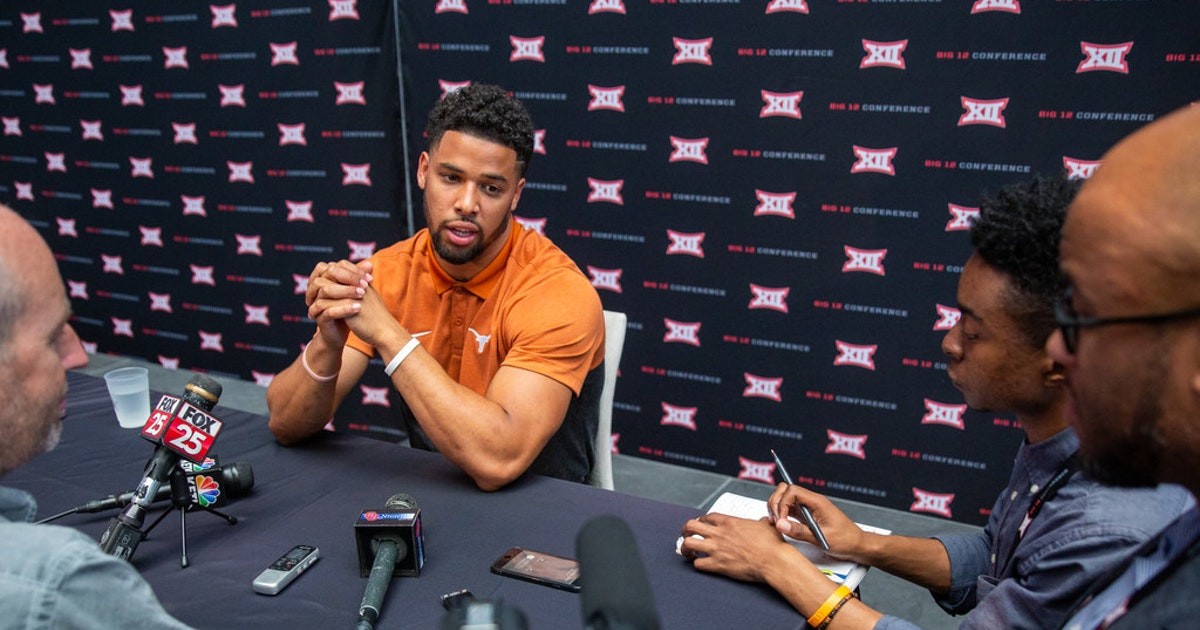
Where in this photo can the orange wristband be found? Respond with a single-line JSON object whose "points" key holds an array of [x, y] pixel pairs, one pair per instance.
{"points": [[829, 619], [839, 596]]}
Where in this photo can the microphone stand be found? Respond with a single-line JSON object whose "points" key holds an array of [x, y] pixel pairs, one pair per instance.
{"points": [[182, 500]]}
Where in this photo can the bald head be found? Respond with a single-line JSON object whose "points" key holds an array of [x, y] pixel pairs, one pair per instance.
{"points": [[37, 343], [1146, 195], [19, 243], [15, 230], [1131, 253]]}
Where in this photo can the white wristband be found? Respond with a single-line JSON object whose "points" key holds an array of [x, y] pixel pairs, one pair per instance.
{"points": [[401, 356]]}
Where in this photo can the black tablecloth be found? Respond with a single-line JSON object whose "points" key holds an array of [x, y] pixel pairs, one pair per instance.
{"points": [[313, 493]]}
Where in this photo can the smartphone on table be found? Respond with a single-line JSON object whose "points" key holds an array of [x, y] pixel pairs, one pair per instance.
{"points": [[539, 567]]}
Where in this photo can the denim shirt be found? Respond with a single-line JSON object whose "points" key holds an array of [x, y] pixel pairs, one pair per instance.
{"points": [[1156, 589], [56, 577], [1078, 537]]}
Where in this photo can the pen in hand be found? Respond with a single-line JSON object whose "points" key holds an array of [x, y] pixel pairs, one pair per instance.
{"points": [[805, 513]]}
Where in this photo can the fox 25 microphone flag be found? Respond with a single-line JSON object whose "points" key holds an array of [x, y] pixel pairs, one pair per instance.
{"points": [[182, 427]]}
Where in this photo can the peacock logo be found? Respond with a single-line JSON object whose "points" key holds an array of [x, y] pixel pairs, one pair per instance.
{"points": [[207, 490], [192, 468]]}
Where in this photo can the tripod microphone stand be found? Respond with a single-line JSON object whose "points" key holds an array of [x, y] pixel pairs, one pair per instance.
{"points": [[182, 500]]}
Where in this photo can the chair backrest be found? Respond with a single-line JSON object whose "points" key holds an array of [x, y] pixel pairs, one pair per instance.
{"points": [[614, 342]]}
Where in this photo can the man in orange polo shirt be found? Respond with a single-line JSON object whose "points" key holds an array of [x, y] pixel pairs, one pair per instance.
{"points": [[491, 334]]}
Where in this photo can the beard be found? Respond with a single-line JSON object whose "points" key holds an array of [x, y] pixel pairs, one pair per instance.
{"points": [[37, 428], [1132, 457], [52, 437], [453, 254], [1135, 466], [457, 255]]}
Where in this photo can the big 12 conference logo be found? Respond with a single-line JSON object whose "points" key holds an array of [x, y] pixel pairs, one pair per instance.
{"points": [[674, 415], [846, 444], [606, 279], [753, 470], [1101, 57], [883, 54], [931, 502]]}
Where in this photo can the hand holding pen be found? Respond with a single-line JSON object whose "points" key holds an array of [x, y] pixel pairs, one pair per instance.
{"points": [[805, 513]]}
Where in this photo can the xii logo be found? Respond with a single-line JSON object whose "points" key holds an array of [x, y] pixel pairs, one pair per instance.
{"points": [[755, 470], [845, 444], [678, 416], [1110, 58], [883, 54]]}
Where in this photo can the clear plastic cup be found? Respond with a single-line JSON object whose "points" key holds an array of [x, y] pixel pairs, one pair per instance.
{"points": [[129, 388]]}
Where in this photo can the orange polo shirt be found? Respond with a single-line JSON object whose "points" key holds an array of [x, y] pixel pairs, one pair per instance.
{"points": [[530, 308]]}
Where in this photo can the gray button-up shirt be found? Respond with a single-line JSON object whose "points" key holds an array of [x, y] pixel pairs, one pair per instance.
{"points": [[56, 577]]}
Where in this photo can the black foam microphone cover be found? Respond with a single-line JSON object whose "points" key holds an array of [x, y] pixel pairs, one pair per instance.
{"points": [[238, 477], [203, 390], [614, 590], [226, 482]]}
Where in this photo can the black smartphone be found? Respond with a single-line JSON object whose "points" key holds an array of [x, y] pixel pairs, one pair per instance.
{"points": [[539, 567]]}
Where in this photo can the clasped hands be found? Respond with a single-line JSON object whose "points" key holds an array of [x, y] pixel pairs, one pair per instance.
{"points": [[340, 299]]}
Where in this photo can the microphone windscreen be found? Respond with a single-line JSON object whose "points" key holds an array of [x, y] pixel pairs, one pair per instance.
{"points": [[614, 590], [401, 501], [206, 387], [237, 478]]}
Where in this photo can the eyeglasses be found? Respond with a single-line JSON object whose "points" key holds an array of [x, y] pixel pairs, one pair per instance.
{"points": [[1069, 322]]}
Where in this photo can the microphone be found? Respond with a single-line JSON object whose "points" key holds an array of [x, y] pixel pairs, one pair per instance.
{"points": [[613, 587], [389, 544], [231, 481], [180, 427], [210, 485]]}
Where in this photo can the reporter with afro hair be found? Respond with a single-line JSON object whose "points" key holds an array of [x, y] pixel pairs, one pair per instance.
{"points": [[1052, 531]]}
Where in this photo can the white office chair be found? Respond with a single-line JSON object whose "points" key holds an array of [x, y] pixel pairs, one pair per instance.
{"points": [[614, 342]]}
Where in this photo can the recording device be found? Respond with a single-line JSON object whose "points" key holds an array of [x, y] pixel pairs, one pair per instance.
{"points": [[389, 544], [210, 486], [616, 594], [288, 567], [539, 567], [180, 427]]}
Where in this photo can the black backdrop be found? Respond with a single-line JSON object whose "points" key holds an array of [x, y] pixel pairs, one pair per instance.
{"points": [[775, 192]]}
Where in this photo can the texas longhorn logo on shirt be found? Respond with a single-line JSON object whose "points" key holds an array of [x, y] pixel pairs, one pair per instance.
{"points": [[481, 340]]}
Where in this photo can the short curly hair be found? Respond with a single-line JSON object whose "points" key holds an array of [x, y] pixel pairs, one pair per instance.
{"points": [[1018, 231], [488, 112]]}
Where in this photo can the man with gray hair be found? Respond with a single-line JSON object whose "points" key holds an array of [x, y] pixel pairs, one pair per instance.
{"points": [[50, 576]]}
